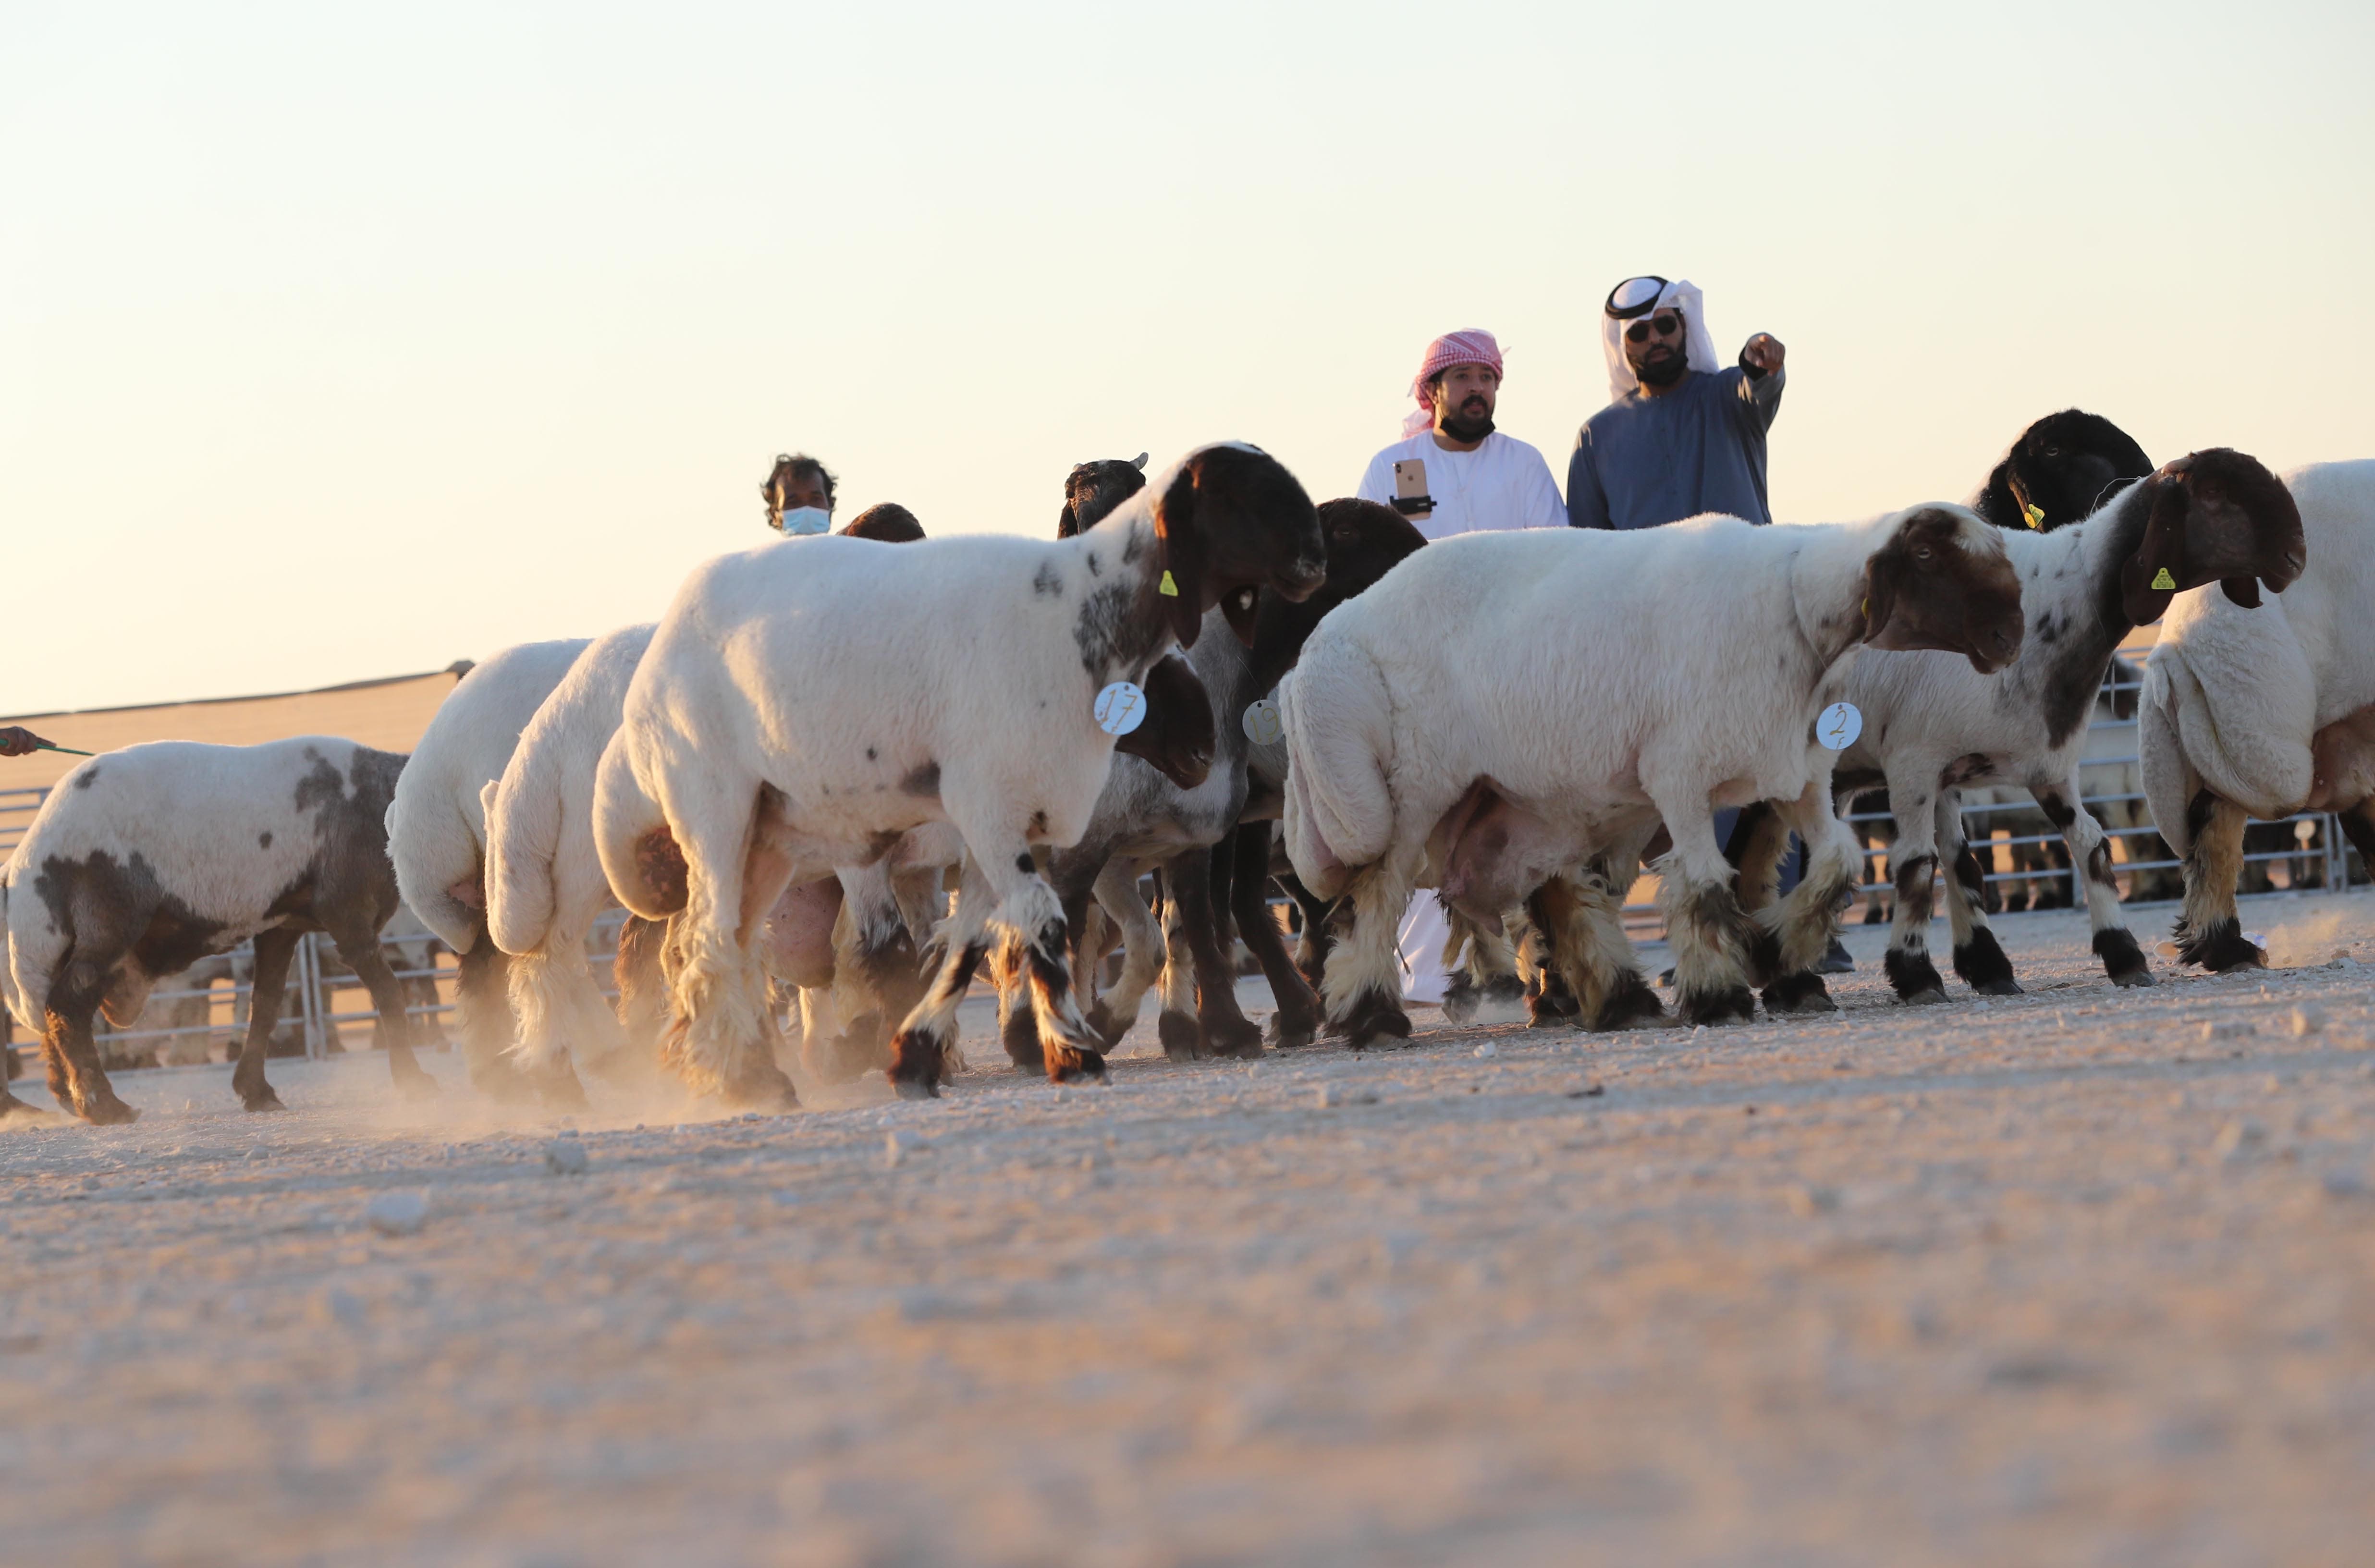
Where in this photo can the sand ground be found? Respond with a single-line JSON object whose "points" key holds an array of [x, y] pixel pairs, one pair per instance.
{"points": [[2080, 1277]]}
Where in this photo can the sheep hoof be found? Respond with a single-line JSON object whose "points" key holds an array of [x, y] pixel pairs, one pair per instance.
{"points": [[1107, 1028], [1069, 1065], [1930, 997], [2134, 978], [762, 1088], [1735, 1004], [1912, 976], [104, 1110], [1460, 1001], [416, 1085], [1631, 1005], [1504, 991], [916, 1089], [2123, 959], [1020, 1035], [1233, 1037], [1292, 1034], [1999, 988], [1374, 1017], [1182, 1040], [1553, 1005], [255, 1104], [1803, 993]]}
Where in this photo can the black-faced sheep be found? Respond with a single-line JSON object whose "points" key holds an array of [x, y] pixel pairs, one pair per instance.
{"points": [[1602, 682], [795, 715]]}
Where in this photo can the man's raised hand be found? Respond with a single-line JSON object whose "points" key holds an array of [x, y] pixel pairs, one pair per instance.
{"points": [[1763, 354]]}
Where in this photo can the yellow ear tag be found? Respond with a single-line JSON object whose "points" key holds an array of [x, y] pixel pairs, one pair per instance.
{"points": [[2164, 582], [2036, 515], [1170, 590]]}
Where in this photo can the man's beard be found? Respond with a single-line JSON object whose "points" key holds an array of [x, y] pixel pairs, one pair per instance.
{"points": [[1461, 427], [1666, 372]]}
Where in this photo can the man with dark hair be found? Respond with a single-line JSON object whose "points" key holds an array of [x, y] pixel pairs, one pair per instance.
{"points": [[1453, 472], [1680, 436], [798, 494]]}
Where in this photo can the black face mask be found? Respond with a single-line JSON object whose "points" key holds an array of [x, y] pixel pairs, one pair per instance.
{"points": [[1459, 428]]}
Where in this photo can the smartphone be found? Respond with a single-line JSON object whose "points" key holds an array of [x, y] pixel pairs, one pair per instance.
{"points": [[1410, 489]]}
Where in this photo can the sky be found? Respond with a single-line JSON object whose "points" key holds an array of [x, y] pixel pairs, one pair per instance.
{"points": [[339, 342]]}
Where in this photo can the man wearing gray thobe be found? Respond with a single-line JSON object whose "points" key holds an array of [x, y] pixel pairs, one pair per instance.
{"points": [[1680, 436]]}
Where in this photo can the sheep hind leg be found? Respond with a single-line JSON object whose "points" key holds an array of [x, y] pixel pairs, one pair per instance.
{"points": [[1116, 1013], [562, 1017], [482, 998], [361, 950], [722, 1040], [1297, 1019], [1175, 1019], [1912, 864], [269, 980], [1711, 935], [1362, 983], [2209, 931], [2090, 848], [1018, 1022], [77, 1080], [1028, 906], [1582, 928]]}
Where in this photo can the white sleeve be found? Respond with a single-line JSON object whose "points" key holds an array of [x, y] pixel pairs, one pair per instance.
{"points": [[1541, 506], [1377, 484]]}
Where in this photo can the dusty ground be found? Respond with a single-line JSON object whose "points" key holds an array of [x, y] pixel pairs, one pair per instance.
{"points": [[2057, 1280]]}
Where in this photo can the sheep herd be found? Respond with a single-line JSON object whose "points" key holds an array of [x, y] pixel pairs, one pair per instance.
{"points": [[783, 778]]}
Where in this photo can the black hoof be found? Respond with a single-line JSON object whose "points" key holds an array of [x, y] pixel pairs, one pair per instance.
{"points": [[1872, 915], [1374, 1017], [1106, 1029], [1935, 993], [1982, 963], [1504, 991], [1632, 1005], [1236, 1038], [1804, 993], [1182, 1040], [1290, 1032], [1911, 974], [2123, 959], [1020, 1035], [255, 1104], [2219, 947], [1554, 1004], [1460, 999], [1735, 1005], [915, 1088], [1075, 1066]]}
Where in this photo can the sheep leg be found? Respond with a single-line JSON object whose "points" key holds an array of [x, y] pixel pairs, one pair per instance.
{"points": [[1796, 935], [879, 979], [640, 974], [1297, 1019], [1311, 945], [2209, 932], [1580, 923], [1712, 936], [362, 953], [918, 1049], [562, 1015], [2090, 848], [723, 1038], [1912, 862], [1174, 1018], [1363, 981], [1018, 1025], [77, 1080], [1550, 1000], [1978, 957], [269, 984], [481, 997], [1117, 1012], [1227, 1029]]}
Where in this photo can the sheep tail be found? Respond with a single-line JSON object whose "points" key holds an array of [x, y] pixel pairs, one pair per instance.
{"points": [[524, 811], [639, 854], [1339, 813]]}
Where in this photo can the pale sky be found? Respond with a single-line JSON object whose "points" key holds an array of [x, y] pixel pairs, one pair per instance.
{"points": [[347, 341]]}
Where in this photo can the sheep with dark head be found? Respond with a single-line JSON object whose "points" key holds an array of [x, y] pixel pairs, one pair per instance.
{"points": [[2063, 467]]}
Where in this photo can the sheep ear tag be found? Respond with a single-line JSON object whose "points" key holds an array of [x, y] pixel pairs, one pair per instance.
{"points": [[1839, 725], [1263, 723], [2163, 583], [1167, 588], [2036, 515], [1119, 708]]}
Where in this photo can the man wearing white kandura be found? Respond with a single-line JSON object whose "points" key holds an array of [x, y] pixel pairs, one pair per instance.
{"points": [[1453, 473]]}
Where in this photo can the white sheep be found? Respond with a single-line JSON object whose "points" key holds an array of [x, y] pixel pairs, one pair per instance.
{"points": [[1932, 724], [437, 837], [798, 712], [2268, 710], [146, 860], [1508, 717]]}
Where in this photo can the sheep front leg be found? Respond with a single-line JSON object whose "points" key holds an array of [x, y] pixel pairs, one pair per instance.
{"points": [[1362, 983], [2090, 849], [267, 984], [1978, 958], [1116, 1013], [360, 951], [1227, 1029], [1912, 862], [1297, 1019], [1798, 932], [1018, 1022], [1712, 936]]}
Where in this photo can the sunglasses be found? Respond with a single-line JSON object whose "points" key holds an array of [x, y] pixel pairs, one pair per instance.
{"points": [[1665, 323]]}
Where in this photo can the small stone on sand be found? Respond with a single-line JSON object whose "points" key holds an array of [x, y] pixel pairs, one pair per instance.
{"points": [[397, 1213], [565, 1157]]}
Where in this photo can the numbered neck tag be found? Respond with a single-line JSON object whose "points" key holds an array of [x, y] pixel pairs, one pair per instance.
{"points": [[1119, 708], [1839, 725], [1263, 723]]}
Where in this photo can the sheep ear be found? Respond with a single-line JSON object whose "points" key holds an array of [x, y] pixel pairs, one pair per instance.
{"points": [[2156, 573], [1066, 525], [1880, 585], [1138, 462], [1183, 556]]}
